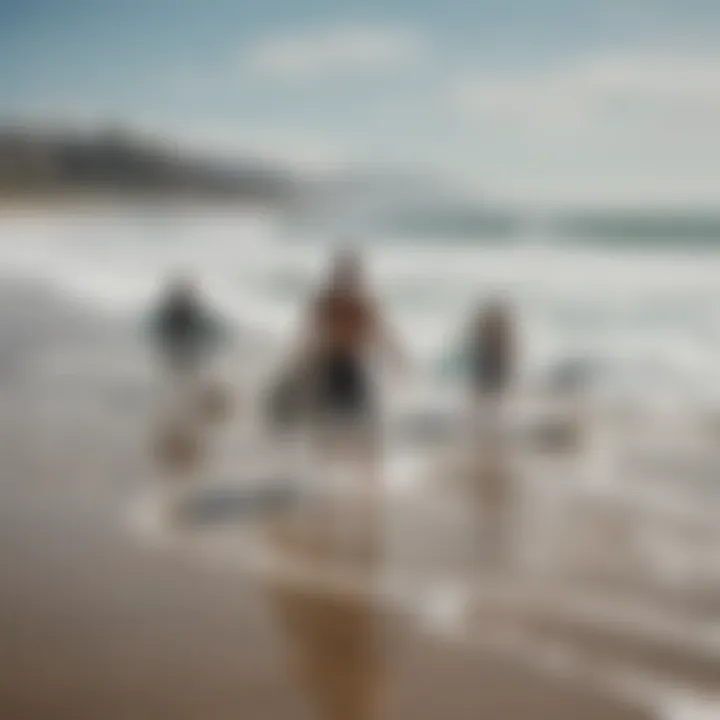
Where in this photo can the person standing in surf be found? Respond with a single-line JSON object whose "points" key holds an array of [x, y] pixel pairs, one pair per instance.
{"points": [[186, 335], [345, 326], [492, 369], [184, 331], [492, 357]]}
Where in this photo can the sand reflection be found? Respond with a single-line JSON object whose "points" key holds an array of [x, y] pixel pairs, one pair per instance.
{"points": [[334, 637]]}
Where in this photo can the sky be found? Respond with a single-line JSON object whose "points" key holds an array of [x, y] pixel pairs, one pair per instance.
{"points": [[547, 101]]}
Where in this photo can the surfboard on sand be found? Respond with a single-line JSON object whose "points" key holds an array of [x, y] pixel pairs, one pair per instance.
{"points": [[228, 502]]}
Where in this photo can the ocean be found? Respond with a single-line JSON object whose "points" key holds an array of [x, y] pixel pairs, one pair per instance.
{"points": [[643, 315]]}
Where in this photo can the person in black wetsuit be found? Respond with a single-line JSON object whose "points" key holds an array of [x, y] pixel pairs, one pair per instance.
{"points": [[183, 330], [492, 362], [492, 365], [492, 352], [183, 335]]}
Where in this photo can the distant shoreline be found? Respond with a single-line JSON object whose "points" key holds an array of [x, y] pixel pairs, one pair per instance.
{"points": [[639, 227]]}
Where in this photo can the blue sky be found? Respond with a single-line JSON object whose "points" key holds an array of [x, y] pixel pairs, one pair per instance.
{"points": [[541, 99]]}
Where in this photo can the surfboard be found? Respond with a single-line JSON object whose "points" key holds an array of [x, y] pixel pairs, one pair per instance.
{"points": [[231, 502]]}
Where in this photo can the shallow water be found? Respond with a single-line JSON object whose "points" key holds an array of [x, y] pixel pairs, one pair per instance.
{"points": [[648, 317], [626, 589]]}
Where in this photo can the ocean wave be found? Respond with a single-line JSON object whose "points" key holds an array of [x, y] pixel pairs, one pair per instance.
{"points": [[627, 305]]}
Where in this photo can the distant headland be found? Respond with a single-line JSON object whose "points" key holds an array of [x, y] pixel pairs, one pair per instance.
{"points": [[116, 163]]}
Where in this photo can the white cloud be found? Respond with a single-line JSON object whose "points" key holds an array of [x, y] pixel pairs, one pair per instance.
{"points": [[334, 50], [306, 152], [605, 91], [639, 128]]}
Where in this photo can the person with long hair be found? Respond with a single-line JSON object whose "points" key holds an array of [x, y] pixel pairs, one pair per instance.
{"points": [[345, 325]]}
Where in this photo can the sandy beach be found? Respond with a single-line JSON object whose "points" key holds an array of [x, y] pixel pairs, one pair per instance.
{"points": [[97, 625]]}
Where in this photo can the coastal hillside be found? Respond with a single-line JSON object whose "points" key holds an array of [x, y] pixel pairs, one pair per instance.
{"points": [[118, 162]]}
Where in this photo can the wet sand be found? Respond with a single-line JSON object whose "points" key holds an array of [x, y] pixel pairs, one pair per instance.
{"points": [[95, 625]]}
